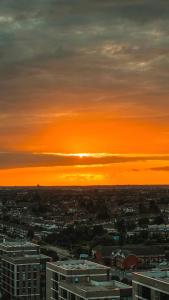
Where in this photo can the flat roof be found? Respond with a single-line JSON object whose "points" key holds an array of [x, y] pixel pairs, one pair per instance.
{"points": [[26, 258], [96, 286], [79, 265], [155, 274], [8, 244], [154, 278]]}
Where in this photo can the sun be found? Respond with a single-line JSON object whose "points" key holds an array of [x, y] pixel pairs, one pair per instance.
{"points": [[82, 155]]}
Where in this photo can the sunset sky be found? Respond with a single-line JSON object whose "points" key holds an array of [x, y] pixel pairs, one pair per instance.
{"points": [[84, 92]]}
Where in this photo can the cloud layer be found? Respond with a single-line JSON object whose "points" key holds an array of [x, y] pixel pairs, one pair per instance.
{"points": [[14, 160], [57, 44]]}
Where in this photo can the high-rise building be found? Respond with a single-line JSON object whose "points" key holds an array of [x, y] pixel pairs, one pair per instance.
{"points": [[22, 271], [17, 248], [24, 277], [151, 285]]}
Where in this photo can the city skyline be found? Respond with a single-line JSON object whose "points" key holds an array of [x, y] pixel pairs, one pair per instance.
{"points": [[84, 97]]}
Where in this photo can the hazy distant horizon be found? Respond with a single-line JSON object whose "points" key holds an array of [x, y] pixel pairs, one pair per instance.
{"points": [[87, 186]]}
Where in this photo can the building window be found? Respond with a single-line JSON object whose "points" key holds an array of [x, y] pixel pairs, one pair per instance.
{"points": [[23, 276], [164, 296], [62, 277], [43, 267], [29, 283], [55, 276], [23, 283], [55, 285], [72, 296], [64, 293], [144, 292], [23, 268], [55, 295]]}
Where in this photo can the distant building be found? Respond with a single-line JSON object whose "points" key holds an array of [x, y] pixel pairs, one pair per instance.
{"points": [[19, 248], [151, 285], [103, 254], [24, 277], [2, 237], [138, 257], [132, 257], [72, 271]]}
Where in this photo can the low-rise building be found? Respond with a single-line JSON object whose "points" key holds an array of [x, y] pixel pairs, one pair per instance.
{"points": [[72, 271], [138, 257], [92, 289]]}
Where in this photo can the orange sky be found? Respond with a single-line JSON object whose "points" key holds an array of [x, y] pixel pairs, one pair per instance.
{"points": [[105, 133], [93, 175]]}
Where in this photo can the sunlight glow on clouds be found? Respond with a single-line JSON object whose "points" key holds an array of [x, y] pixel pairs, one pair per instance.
{"points": [[84, 80]]}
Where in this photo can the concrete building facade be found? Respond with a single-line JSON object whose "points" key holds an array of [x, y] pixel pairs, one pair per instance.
{"points": [[83, 279], [95, 290], [72, 271], [19, 248], [151, 285], [24, 277]]}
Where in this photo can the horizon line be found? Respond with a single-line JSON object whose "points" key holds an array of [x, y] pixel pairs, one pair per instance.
{"points": [[84, 186]]}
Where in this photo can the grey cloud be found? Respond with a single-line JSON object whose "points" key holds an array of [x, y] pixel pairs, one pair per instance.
{"points": [[61, 44], [43, 8], [11, 160]]}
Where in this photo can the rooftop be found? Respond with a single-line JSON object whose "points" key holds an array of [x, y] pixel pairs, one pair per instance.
{"points": [[157, 274], [79, 265], [9, 244], [153, 279], [103, 285], [27, 258], [94, 287]]}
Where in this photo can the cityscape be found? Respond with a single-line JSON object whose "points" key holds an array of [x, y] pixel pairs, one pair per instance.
{"points": [[84, 242], [84, 150]]}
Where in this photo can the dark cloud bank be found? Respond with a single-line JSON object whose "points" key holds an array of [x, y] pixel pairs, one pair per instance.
{"points": [[89, 44], [11, 160]]}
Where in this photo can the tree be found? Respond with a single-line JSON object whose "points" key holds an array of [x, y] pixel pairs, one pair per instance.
{"points": [[143, 222], [159, 220], [153, 207], [121, 227], [142, 208], [30, 234]]}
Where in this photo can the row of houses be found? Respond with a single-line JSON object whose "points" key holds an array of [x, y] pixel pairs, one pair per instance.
{"points": [[126, 258]]}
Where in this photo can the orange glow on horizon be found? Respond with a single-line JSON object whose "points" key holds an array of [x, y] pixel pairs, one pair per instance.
{"points": [[88, 135], [132, 172]]}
